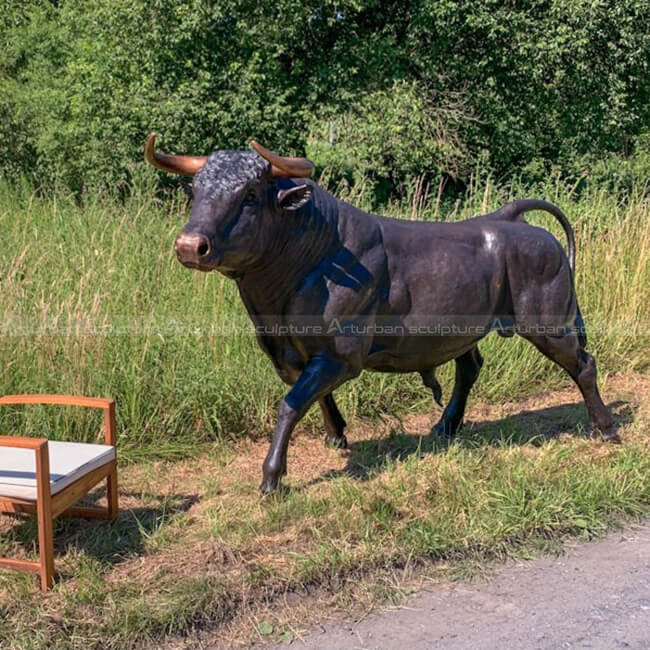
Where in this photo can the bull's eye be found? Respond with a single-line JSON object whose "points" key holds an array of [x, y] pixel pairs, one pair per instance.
{"points": [[250, 197]]}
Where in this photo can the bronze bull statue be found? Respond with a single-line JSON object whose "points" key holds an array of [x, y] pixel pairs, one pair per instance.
{"points": [[365, 292]]}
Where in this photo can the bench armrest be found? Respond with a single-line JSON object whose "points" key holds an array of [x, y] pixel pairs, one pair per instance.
{"points": [[22, 442], [108, 406], [66, 400]]}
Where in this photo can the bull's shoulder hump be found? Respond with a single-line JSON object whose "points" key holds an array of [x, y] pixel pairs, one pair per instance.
{"points": [[358, 229]]}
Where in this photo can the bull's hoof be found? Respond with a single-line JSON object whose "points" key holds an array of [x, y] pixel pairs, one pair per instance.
{"points": [[271, 478], [336, 442], [445, 429], [611, 435], [270, 485]]}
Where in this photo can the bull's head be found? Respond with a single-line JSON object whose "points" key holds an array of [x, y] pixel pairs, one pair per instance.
{"points": [[235, 200]]}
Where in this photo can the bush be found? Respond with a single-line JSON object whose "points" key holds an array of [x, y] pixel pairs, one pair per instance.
{"points": [[392, 134], [403, 86]]}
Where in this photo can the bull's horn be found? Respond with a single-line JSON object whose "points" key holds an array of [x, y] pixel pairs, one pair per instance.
{"points": [[284, 167], [183, 165]]}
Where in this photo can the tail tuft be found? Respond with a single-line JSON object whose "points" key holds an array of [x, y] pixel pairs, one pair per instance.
{"points": [[581, 331]]}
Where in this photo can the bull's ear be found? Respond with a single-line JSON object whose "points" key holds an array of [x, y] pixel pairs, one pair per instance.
{"points": [[293, 198]]}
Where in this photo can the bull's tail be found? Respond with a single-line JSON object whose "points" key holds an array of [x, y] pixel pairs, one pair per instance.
{"points": [[518, 208], [580, 327]]}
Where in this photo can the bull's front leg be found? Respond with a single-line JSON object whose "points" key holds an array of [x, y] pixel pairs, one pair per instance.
{"points": [[321, 376]]}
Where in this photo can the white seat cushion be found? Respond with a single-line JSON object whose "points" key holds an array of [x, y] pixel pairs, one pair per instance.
{"points": [[68, 462]]}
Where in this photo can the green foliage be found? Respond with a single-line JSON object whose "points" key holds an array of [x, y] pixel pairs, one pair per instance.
{"points": [[392, 134], [553, 79], [384, 90], [616, 174]]}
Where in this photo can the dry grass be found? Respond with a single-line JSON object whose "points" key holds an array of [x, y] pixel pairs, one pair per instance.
{"points": [[196, 551]]}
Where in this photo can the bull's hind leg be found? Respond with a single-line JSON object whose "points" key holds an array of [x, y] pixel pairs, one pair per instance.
{"points": [[468, 366], [567, 351], [334, 423]]}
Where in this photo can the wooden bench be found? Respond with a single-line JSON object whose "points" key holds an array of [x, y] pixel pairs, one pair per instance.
{"points": [[48, 478]]}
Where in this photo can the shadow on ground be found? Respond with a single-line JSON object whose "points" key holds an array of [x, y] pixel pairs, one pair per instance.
{"points": [[109, 542], [367, 457]]}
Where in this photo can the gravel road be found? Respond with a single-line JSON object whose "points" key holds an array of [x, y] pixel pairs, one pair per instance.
{"points": [[596, 596]]}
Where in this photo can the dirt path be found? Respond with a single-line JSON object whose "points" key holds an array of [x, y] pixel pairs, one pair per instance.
{"points": [[595, 596]]}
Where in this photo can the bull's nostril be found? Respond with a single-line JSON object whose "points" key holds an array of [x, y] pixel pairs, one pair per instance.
{"points": [[193, 248]]}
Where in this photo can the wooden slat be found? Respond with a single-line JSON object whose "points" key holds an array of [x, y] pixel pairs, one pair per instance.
{"points": [[66, 400], [111, 481], [112, 494], [20, 565], [9, 506], [87, 512], [71, 494], [22, 442], [16, 506]]}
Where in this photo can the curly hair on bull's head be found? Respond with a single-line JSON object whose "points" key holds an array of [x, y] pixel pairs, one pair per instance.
{"points": [[225, 170]]}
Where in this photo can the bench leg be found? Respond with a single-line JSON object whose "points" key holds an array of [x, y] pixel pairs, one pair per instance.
{"points": [[44, 516], [111, 493], [45, 547]]}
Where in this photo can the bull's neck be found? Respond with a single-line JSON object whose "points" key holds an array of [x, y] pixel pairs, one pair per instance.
{"points": [[300, 241]]}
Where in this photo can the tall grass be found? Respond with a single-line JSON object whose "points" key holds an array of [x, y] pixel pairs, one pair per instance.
{"points": [[94, 302]]}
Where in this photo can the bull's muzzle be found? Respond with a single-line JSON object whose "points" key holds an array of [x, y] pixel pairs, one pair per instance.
{"points": [[193, 250]]}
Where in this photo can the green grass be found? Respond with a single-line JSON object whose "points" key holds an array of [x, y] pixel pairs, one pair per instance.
{"points": [[196, 548], [94, 302]]}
